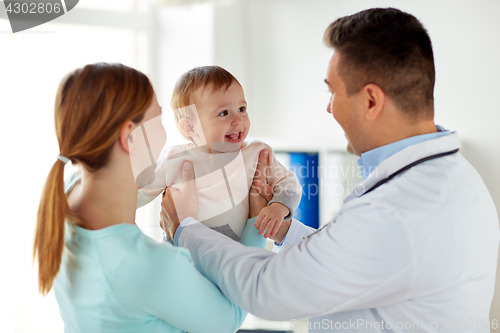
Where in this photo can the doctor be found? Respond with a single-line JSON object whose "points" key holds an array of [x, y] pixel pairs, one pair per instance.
{"points": [[413, 248]]}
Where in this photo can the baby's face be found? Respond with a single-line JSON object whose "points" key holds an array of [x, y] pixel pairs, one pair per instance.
{"points": [[223, 115]]}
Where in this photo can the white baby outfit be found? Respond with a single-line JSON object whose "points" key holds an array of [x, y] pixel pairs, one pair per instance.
{"points": [[223, 179]]}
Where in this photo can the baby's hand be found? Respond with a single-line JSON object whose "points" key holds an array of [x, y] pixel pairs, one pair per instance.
{"points": [[270, 219]]}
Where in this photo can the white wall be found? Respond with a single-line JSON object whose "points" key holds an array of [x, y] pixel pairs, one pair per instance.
{"points": [[275, 48]]}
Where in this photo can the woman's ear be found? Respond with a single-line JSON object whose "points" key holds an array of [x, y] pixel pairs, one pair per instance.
{"points": [[126, 136], [187, 128]]}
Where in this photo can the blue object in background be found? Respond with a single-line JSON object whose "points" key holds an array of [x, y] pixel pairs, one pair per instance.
{"points": [[305, 166]]}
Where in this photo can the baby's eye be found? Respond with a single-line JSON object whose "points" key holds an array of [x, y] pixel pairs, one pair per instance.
{"points": [[223, 113], [242, 109]]}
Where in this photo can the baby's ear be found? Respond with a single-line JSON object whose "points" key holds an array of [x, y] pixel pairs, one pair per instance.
{"points": [[186, 127]]}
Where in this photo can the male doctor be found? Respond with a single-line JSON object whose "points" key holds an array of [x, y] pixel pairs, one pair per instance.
{"points": [[413, 248]]}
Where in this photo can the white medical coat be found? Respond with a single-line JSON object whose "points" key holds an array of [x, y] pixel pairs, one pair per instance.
{"points": [[417, 251]]}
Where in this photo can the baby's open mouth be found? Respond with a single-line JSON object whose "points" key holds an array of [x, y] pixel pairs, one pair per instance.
{"points": [[234, 137]]}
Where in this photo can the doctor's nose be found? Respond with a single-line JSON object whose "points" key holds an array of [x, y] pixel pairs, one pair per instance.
{"points": [[328, 106]]}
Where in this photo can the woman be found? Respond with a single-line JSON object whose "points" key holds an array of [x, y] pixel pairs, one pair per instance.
{"points": [[107, 275]]}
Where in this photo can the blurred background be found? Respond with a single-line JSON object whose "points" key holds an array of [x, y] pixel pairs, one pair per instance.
{"points": [[274, 48]]}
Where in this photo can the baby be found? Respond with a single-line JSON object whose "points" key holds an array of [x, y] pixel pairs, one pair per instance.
{"points": [[210, 111]]}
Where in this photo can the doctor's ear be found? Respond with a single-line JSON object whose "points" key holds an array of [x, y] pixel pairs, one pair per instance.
{"points": [[374, 100], [187, 128]]}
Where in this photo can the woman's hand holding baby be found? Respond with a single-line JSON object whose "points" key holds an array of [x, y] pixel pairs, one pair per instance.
{"points": [[177, 205]]}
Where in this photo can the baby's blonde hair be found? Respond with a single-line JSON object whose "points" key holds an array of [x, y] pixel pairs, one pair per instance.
{"points": [[206, 76]]}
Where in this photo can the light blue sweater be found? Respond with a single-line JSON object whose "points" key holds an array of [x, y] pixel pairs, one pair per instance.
{"points": [[117, 279]]}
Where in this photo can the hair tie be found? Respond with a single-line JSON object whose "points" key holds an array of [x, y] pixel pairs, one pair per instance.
{"points": [[63, 159]]}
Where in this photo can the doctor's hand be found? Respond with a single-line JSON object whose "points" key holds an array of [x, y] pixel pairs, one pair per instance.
{"points": [[177, 205]]}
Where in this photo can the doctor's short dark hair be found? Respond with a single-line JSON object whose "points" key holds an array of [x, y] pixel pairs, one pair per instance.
{"points": [[391, 49]]}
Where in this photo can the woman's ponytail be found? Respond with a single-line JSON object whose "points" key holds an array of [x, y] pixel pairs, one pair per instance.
{"points": [[49, 236]]}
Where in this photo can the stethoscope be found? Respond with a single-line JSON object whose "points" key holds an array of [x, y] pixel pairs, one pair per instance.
{"points": [[409, 166], [391, 176]]}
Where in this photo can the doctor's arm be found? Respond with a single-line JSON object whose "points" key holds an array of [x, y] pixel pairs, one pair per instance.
{"points": [[343, 267]]}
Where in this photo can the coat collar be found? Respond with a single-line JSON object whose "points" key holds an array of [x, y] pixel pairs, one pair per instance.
{"points": [[405, 157], [372, 158]]}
